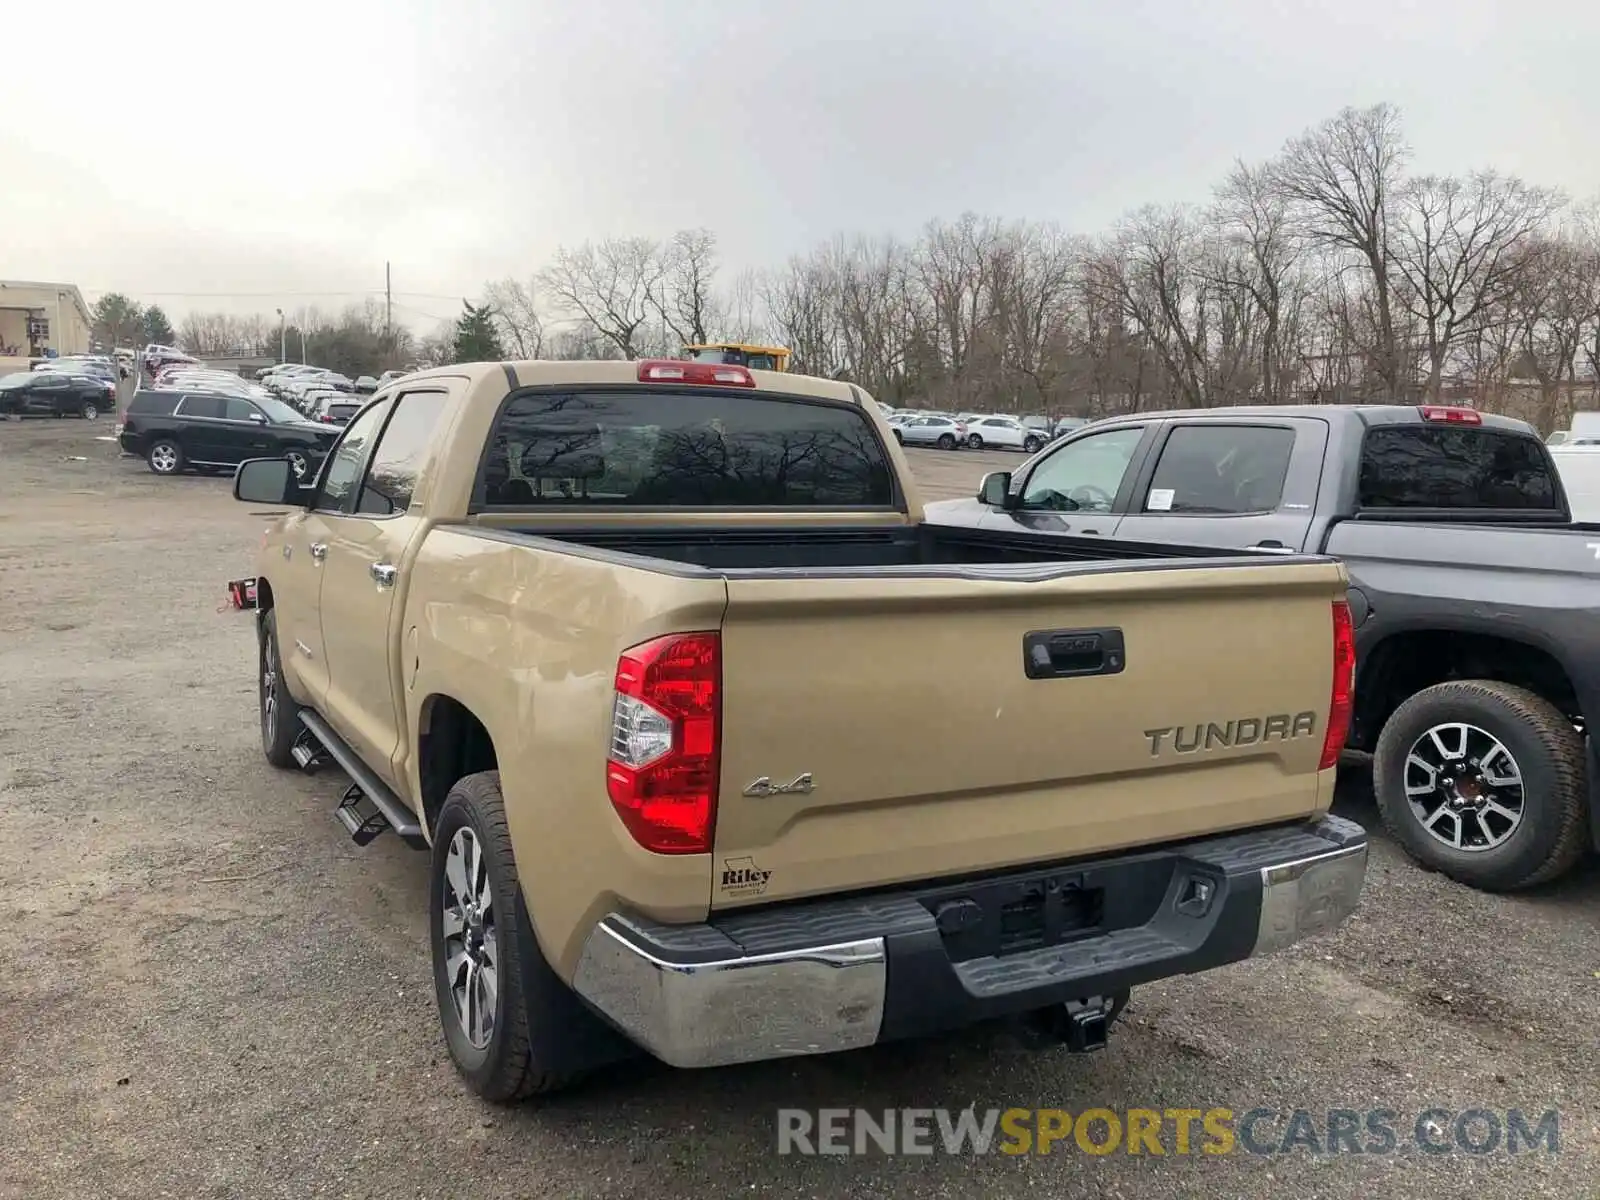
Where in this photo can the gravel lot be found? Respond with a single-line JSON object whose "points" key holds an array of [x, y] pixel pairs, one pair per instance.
{"points": [[211, 992]]}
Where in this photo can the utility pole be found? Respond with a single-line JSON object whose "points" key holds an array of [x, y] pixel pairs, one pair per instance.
{"points": [[388, 312]]}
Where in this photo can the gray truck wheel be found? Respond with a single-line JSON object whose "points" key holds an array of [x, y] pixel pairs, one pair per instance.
{"points": [[280, 715], [1483, 782], [482, 946]]}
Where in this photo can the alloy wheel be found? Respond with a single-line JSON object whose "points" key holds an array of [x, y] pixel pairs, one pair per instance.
{"points": [[1464, 787], [471, 938]]}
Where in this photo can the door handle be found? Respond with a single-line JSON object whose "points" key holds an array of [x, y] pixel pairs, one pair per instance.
{"points": [[384, 573], [1273, 547], [319, 550]]}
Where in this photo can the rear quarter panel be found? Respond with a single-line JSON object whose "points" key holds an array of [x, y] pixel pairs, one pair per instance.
{"points": [[527, 638]]}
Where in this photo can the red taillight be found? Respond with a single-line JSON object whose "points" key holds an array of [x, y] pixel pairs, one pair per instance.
{"points": [[666, 725], [718, 374], [1458, 416], [1344, 686]]}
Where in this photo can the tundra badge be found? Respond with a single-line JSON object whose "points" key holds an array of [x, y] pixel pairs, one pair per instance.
{"points": [[764, 786]]}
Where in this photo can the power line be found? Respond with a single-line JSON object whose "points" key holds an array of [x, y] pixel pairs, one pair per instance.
{"points": [[263, 295], [231, 295]]}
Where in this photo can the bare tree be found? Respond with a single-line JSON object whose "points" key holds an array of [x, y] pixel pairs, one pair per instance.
{"points": [[1340, 179], [609, 285], [1253, 218], [684, 296], [517, 316], [1148, 273], [1459, 246]]}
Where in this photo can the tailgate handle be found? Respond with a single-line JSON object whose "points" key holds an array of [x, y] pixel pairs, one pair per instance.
{"points": [[1070, 653]]}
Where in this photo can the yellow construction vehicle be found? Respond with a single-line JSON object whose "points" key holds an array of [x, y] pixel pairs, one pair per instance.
{"points": [[736, 354]]}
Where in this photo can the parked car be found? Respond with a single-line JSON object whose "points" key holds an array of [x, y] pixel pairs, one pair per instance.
{"points": [[366, 383], [1479, 644], [174, 431], [55, 394], [1003, 433], [336, 409], [80, 366], [947, 433], [654, 819]]}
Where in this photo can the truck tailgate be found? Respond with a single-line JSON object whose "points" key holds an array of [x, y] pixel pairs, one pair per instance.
{"points": [[878, 729]]}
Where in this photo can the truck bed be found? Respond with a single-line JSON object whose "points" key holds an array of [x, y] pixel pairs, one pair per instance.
{"points": [[909, 703], [921, 549]]}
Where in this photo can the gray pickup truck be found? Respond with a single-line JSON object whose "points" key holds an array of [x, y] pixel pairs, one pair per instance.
{"points": [[1477, 637]]}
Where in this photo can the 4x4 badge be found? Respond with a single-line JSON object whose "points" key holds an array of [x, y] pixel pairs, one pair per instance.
{"points": [[801, 784]]}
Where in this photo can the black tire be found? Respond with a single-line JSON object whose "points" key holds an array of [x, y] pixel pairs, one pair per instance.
{"points": [[899, 437], [506, 1069], [90, 411], [166, 452], [947, 441], [1549, 753], [1030, 445], [280, 719], [299, 464], [975, 440]]}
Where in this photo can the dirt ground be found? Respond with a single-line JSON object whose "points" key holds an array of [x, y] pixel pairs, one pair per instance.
{"points": [[209, 991]]}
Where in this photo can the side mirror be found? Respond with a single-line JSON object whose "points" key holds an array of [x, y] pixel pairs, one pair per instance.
{"points": [[995, 489], [266, 481]]}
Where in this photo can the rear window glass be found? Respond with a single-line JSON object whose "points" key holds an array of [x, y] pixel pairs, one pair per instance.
{"points": [[343, 411], [153, 402], [1409, 466], [670, 448]]}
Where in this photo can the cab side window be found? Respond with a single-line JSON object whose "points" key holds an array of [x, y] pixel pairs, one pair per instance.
{"points": [[1084, 475], [337, 489], [1221, 469], [392, 478]]}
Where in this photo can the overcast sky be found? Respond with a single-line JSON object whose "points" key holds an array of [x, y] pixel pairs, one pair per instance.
{"points": [[205, 155]]}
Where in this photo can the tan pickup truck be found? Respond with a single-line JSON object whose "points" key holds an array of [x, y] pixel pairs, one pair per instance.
{"points": [[720, 752]]}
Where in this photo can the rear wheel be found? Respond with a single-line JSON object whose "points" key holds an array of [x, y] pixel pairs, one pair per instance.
{"points": [[947, 441], [165, 457], [1030, 445], [483, 947], [90, 411], [298, 463], [1484, 782]]}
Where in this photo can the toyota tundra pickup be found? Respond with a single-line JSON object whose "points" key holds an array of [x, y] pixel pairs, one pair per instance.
{"points": [[1478, 652], [718, 750]]}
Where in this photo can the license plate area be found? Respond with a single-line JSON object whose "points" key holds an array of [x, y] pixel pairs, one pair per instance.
{"points": [[1014, 914]]}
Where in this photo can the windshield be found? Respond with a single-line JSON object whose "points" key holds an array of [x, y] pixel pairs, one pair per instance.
{"points": [[277, 411]]}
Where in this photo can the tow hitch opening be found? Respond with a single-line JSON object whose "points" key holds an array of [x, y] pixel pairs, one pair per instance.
{"points": [[1083, 1026]]}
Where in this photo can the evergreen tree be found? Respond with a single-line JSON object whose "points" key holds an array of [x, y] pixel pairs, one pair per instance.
{"points": [[157, 328], [118, 321], [477, 339]]}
